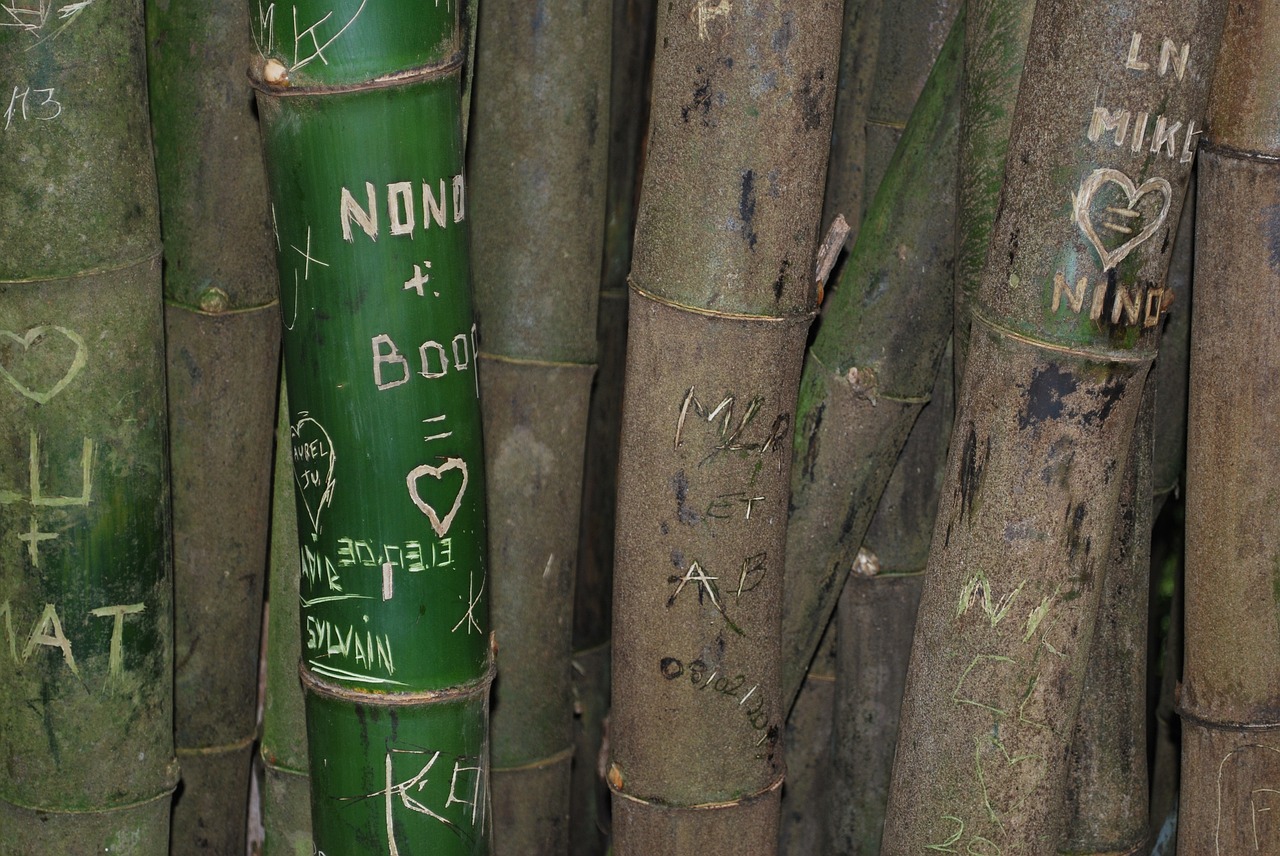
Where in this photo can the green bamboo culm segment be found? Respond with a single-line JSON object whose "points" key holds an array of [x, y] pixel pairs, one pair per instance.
{"points": [[1230, 699], [723, 292], [223, 342], [361, 125], [541, 100], [872, 364], [1064, 332], [286, 784], [995, 45], [86, 718]]}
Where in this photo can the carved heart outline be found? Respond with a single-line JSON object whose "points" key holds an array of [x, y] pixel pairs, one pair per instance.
{"points": [[1084, 198], [441, 526], [327, 496], [78, 362]]}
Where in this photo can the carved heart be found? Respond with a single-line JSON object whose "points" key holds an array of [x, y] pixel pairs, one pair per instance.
{"points": [[1084, 218], [33, 337], [441, 526], [311, 445]]}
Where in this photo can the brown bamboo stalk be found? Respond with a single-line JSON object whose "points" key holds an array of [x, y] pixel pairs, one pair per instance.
{"points": [[809, 754], [877, 617], [1230, 703], [1107, 787], [1046, 415], [722, 294]]}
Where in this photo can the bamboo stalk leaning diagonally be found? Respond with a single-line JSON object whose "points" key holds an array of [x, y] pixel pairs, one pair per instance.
{"points": [[86, 661], [995, 46], [1064, 332], [361, 124], [872, 364], [223, 344], [1230, 701], [541, 101], [722, 296], [286, 783]]}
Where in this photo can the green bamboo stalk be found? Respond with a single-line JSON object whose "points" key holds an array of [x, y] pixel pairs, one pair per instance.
{"points": [[286, 786], [846, 181], [541, 96], [361, 124], [876, 616], [1064, 333], [1230, 700], [1107, 788], [223, 341], [995, 46], [871, 366], [632, 51], [86, 660], [722, 294]]}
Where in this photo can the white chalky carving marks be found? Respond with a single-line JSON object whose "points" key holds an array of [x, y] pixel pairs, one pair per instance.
{"points": [[314, 460], [310, 38], [1125, 220], [417, 474], [1248, 810], [424, 795]]}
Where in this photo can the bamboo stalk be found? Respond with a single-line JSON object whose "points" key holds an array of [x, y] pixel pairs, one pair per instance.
{"points": [[632, 52], [722, 295], [541, 95], [1046, 414], [86, 657], [868, 372], [846, 182], [223, 341], [995, 46], [361, 121], [286, 788], [809, 754], [1107, 785], [1230, 700]]}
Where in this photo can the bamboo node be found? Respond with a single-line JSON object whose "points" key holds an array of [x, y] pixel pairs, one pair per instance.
{"points": [[863, 382], [615, 777], [214, 300], [866, 563]]}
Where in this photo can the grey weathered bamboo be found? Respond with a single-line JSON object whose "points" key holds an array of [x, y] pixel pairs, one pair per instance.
{"points": [[808, 742], [1063, 334], [871, 366], [722, 295], [1107, 786], [1230, 701], [633, 23], [876, 615], [86, 585], [541, 98], [995, 44], [223, 345]]}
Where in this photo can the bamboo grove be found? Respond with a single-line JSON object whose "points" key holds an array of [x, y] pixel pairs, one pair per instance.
{"points": [[704, 427]]}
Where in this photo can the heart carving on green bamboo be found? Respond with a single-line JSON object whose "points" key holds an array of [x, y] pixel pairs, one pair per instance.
{"points": [[40, 356], [313, 466], [439, 524], [1118, 220]]}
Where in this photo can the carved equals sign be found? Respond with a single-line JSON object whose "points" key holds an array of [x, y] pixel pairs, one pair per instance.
{"points": [[1122, 212]]}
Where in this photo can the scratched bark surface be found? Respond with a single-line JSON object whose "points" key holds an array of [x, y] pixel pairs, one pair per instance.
{"points": [[85, 567], [1107, 786], [877, 616], [871, 366], [995, 45], [722, 295], [1230, 701], [1046, 416], [542, 100], [286, 791]]}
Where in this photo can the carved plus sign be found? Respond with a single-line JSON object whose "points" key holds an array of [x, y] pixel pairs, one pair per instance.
{"points": [[33, 537], [419, 279]]}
